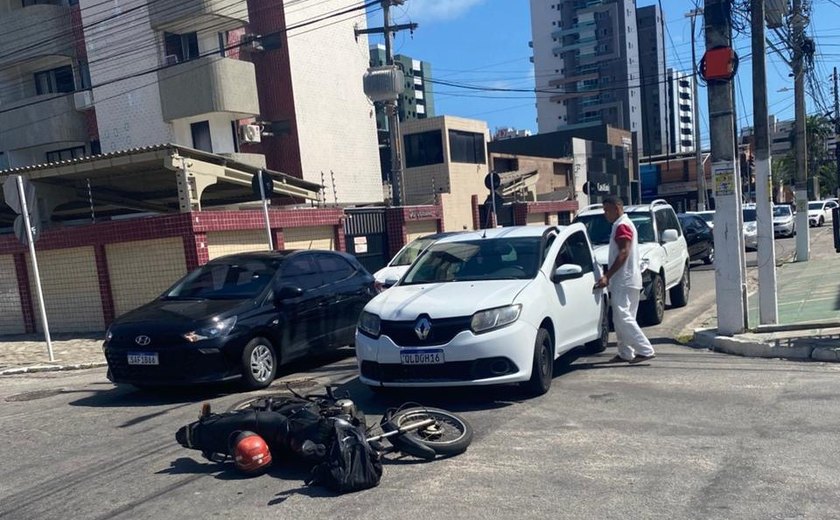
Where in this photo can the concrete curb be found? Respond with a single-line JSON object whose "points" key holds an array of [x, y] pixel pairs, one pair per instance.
{"points": [[51, 368], [756, 348]]}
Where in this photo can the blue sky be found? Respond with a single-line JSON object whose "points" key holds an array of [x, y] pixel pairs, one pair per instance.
{"points": [[485, 43]]}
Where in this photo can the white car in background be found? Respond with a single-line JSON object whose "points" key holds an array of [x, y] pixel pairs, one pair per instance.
{"points": [[397, 267], [784, 225], [486, 307], [750, 226], [819, 211]]}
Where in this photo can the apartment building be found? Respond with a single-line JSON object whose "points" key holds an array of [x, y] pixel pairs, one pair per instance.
{"points": [[653, 84], [78, 77], [681, 116], [587, 51]]}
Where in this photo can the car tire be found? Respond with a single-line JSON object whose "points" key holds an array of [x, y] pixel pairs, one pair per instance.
{"points": [[822, 221], [259, 364], [710, 258], [679, 294], [600, 344], [652, 311], [542, 370]]}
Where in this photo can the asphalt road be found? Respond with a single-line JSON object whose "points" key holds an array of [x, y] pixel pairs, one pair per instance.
{"points": [[691, 434]]}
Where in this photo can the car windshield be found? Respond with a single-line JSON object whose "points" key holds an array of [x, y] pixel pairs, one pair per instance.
{"points": [[411, 251], [599, 229], [484, 259], [815, 205], [708, 216], [225, 281], [749, 215], [781, 211]]}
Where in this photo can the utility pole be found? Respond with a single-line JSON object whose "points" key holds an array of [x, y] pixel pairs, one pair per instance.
{"points": [[803, 246], [767, 300], [392, 105], [698, 153], [837, 130], [729, 237]]}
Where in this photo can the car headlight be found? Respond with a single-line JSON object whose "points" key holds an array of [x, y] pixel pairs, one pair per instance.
{"points": [[644, 264], [750, 227], [490, 319], [369, 324], [217, 329]]}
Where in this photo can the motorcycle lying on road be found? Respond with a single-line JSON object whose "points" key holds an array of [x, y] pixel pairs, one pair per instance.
{"points": [[331, 433]]}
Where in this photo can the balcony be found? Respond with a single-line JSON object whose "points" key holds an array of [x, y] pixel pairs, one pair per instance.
{"points": [[179, 16], [38, 120], [207, 85], [36, 30]]}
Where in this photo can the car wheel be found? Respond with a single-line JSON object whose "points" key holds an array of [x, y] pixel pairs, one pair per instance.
{"points": [[652, 311], [822, 221], [259, 364], [600, 344], [542, 370], [679, 294], [710, 258]]}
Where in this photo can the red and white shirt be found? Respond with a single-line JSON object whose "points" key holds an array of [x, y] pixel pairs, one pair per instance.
{"points": [[630, 274]]}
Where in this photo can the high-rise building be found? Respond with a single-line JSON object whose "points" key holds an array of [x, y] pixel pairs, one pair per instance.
{"points": [[653, 84], [77, 79], [587, 52], [680, 111]]}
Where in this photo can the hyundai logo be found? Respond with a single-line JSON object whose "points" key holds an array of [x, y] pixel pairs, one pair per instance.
{"points": [[422, 328], [142, 340]]}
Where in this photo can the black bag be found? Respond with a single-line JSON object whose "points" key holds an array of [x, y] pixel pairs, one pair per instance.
{"points": [[351, 464]]}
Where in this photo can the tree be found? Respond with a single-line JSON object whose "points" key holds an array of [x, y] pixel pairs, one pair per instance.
{"points": [[818, 129]]}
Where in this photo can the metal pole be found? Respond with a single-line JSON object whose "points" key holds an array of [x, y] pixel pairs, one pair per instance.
{"points": [[265, 210], [767, 300], [493, 199], [391, 107], [803, 246], [729, 244], [698, 154], [31, 243]]}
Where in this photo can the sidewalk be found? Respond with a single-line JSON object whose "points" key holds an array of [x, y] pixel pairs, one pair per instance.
{"points": [[25, 354], [809, 313]]}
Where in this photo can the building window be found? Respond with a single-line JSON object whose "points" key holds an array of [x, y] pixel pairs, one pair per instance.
{"points": [[423, 149], [84, 75], [180, 47], [54, 81], [201, 136], [466, 147], [234, 127], [66, 154]]}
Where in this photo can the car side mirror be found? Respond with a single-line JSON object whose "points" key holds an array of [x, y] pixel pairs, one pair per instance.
{"points": [[286, 292], [669, 235], [567, 272], [391, 281]]}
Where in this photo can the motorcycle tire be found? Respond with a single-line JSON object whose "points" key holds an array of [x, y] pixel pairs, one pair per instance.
{"points": [[450, 435]]}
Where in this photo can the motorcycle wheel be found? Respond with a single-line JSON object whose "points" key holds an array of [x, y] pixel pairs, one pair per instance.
{"points": [[449, 435]]}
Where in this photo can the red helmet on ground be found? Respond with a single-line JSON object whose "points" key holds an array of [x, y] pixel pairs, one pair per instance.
{"points": [[250, 452]]}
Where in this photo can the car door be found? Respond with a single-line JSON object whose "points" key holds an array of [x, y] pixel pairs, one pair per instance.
{"points": [[302, 318], [674, 260], [579, 303], [344, 291], [693, 236]]}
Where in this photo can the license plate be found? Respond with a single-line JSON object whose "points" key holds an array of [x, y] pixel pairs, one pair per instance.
{"points": [[143, 358], [422, 357]]}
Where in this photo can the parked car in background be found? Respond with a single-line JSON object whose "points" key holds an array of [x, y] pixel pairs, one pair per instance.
{"points": [[707, 216], [662, 249], [398, 265], [698, 237], [486, 307], [784, 225], [750, 226], [819, 211], [239, 317]]}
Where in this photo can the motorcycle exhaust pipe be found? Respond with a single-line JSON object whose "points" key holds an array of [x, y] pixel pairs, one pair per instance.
{"points": [[404, 429]]}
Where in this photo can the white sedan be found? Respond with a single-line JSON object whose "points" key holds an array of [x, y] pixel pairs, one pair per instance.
{"points": [[486, 307]]}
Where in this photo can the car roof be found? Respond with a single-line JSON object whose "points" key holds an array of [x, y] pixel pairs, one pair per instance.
{"points": [[438, 236], [502, 232], [270, 255], [596, 209]]}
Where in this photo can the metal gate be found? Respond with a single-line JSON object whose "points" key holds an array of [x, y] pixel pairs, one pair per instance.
{"points": [[366, 234]]}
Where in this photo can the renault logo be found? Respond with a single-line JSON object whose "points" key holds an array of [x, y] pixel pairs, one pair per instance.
{"points": [[142, 340], [422, 328]]}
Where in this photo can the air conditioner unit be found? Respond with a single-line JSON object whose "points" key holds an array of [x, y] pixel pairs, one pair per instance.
{"points": [[83, 100], [250, 133], [171, 59]]}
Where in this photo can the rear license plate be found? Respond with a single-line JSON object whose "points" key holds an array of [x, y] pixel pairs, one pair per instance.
{"points": [[422, 357], [143, 358]]}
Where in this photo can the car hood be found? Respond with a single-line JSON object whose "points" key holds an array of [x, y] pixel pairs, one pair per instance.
{"points": [[175, 313], [390, 272], [782, 220], [444, 300], [602, 253]]}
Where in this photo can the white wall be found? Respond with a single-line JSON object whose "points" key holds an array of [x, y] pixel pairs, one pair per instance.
{"points": [[128, 112], [336, 122]]}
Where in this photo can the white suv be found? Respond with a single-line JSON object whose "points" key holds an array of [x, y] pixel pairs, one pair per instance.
{"points": [[662, 249], [486, 307]]}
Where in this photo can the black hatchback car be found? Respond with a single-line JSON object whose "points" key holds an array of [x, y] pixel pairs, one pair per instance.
{"points": [[699, 237], [239, 317]]}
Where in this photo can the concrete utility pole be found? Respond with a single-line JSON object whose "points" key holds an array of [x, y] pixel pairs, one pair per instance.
{"points": [[391, 105], [729, 235], [767, 299], [837, 130], [803, 242], [698, 153]]}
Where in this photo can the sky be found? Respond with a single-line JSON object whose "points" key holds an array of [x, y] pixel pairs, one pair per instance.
{"points": [[485, 43]]}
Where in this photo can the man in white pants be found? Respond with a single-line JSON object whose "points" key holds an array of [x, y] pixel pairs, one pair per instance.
{"points": [[624, 278]]}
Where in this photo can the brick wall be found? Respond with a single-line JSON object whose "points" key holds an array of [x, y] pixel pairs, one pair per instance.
{"points": [[11, 312]]}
